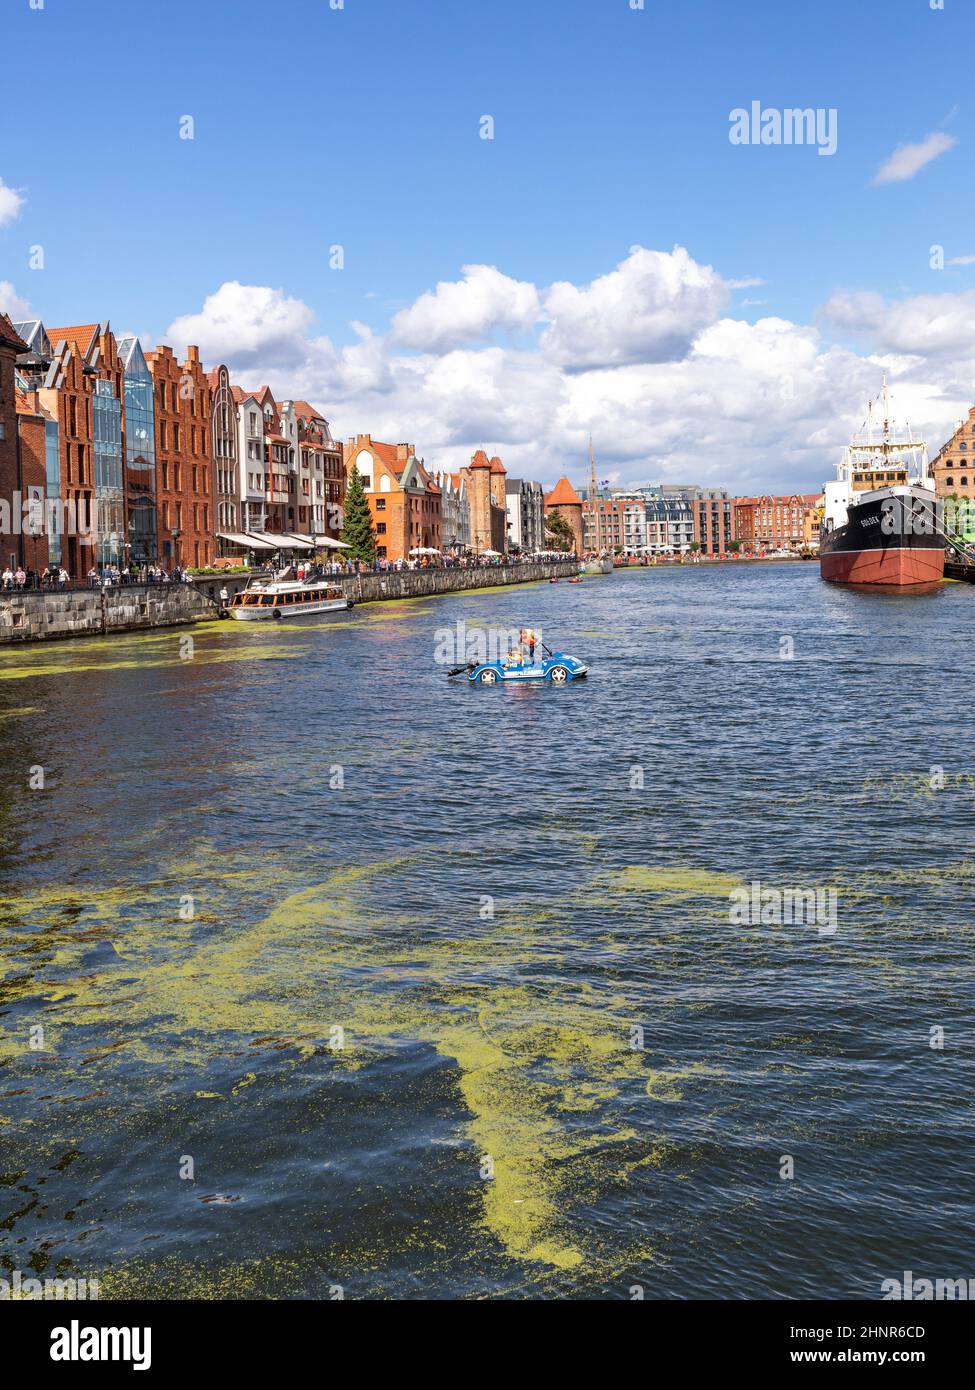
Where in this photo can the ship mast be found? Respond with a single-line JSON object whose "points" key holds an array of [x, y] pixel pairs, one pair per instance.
{"points": [[593, 529]]}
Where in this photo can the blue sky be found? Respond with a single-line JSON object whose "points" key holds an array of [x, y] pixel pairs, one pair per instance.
{"points": [[359, 127]]}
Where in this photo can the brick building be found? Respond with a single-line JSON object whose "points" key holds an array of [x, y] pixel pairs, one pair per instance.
{"points": [[404, 500], [953, 467], [777, 523], [566, 501], [33, 425], [484, 480], [185, 504], [604, 526], [11, 346], [52, 374]]}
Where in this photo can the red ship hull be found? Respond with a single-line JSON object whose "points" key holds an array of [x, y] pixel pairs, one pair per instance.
{"points": [[894, 566]]}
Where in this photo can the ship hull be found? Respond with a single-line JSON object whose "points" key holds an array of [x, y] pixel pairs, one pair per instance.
{"points": [[862, 552]]}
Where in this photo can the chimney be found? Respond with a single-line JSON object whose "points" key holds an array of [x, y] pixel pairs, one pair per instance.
{"points": [[193, 354]]}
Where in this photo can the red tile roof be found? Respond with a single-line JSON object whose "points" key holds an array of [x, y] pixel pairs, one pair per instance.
{"points": [[563, 494], [81, 337], [9, 336], [480, 460], [497, 466]]}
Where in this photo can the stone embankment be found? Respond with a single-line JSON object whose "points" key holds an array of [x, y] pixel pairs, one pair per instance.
{"points": [[26, 617]]}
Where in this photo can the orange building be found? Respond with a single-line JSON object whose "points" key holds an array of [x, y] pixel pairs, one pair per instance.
{"points": [[566, 501], [404, 500]]}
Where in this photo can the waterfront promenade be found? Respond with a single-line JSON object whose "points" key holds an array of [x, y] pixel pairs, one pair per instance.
{"points": [[32, 615]]}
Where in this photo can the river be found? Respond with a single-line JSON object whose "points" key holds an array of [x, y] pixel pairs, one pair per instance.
{"points": [[323, 973]]}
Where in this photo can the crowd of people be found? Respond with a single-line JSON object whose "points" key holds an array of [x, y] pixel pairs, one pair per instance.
{"points": [[107, 576], [19, 579], [110, 575], [448, 561]]}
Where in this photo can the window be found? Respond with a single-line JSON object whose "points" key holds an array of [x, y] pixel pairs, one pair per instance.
{"points": [[380, 528]]}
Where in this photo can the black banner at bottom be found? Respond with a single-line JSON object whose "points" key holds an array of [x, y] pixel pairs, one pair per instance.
{"points": [[168, 1337]]}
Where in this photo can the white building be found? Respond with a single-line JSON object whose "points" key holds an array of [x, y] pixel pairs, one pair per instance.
{"points": [[455, 510], [525, 504]]}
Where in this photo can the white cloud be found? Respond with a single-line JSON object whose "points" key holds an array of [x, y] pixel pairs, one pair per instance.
{"points": [[649, 309], [12, 304], [961, 260], [467, 311], [927, 325], [909, 160], [11, 201], [244, 325], [690, 395]]}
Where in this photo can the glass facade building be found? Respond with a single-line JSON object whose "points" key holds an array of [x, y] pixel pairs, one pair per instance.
{"points": [[140, 455], [52, 462], [106, 418]]}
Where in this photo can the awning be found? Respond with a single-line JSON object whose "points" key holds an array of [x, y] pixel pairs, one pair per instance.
{"points": [[326, 543], [245, 542], [260, 543], [289, 541]]}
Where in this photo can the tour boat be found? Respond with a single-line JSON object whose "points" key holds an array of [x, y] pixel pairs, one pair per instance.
{"points": [[880, 516], [287, 599]]}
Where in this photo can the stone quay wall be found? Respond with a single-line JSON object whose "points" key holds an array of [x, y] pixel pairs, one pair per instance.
{"points": [[26, 617]]}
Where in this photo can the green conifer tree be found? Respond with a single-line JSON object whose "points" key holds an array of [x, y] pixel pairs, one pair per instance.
{"points": [[357, 531]]}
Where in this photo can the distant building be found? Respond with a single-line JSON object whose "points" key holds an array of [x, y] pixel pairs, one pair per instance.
{"points": [[525, 502], [714, 521], [789, 522], [566, 501], [603, 524]]}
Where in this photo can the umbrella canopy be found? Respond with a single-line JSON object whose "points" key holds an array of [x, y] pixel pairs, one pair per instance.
{"points": [[490, 552], [423, 550]]}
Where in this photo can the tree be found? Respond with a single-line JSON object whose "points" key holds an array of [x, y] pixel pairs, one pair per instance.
{"points": [[557, 526], [734, 547], [357, 530]]}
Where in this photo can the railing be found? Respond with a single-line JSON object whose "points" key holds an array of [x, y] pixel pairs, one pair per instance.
{"points": [[57, 586]]}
